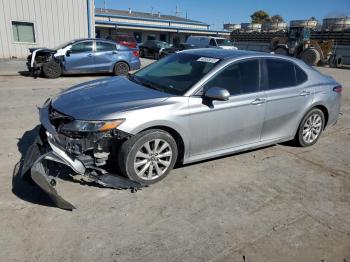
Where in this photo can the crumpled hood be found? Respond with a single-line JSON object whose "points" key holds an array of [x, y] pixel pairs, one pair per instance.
{"points": [[42, 49], [100, 99]]}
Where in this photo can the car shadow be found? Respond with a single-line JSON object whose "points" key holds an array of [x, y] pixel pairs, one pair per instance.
{"points": [[24, 73], [287, 144]]}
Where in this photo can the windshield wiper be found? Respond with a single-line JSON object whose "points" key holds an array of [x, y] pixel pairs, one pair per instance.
{"points": [[144, 83]]}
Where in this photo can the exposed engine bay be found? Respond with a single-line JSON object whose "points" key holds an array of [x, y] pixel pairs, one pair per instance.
{"points": [[45, 60], [90, 155]]}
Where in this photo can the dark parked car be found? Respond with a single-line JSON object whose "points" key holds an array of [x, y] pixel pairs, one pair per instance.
{"points": [[153, 48], [83, 56], [176, 48]]}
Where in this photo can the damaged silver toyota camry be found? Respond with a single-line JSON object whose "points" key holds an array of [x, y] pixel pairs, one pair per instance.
{"points": [[130, 131]]}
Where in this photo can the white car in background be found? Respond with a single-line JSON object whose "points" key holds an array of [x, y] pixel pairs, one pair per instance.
{"points": [[209, 41]]}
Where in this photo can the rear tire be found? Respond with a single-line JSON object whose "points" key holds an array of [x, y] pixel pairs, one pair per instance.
{"points": [[52, 69], [121, 68], [148, 157], [310, 128], [142, 53], [311, 56]]}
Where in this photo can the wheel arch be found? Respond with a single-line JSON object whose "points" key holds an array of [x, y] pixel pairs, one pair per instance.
{"points": [[178, 139], [121, 60], [325, 112]]}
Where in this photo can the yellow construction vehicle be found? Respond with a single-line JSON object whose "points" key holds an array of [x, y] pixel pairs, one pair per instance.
{"points": [[299, 44]]}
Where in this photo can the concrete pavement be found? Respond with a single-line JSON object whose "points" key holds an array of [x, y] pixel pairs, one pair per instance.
{"points": [[279, 203]]}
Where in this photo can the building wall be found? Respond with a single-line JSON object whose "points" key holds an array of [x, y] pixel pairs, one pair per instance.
{"points": [[55, 22]]}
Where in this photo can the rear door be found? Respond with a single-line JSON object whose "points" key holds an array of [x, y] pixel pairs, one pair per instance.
{"points": [[287, 94], [80, 58], [106, 55]]}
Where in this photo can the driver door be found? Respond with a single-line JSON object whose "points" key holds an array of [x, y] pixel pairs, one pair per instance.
{"points": [[80, 58], [219, 125]]}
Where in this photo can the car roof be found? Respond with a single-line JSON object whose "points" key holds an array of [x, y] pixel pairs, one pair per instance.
{"points": [[224, 54], [92, 39], [221, 53]]}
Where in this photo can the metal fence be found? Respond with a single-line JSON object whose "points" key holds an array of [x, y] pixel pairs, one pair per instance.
{"points": [[343, 50]]}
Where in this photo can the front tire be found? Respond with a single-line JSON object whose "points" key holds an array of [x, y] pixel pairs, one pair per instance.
{"points": [[310, 128], [52, 69], [148, 157]]}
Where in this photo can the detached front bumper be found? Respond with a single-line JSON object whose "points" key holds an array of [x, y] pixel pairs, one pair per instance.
{"points": [[46, 147]]}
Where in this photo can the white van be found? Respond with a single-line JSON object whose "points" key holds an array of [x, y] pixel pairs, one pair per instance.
{"points": [[209, 41]]}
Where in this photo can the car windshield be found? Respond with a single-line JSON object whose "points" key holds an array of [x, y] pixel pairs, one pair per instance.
{"points": [[175, 74], [63, 45], [162, 44], [223, 42]]}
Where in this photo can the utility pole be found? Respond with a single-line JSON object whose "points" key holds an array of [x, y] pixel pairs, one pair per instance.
{"points": [[177, 12], [105, 4]]}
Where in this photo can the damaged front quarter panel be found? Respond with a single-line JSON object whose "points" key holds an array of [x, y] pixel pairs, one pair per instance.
{"points": [[86, 154]]}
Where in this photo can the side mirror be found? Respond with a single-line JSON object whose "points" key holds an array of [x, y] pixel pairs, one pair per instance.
{"points": [[68, 52], [217, 93]]}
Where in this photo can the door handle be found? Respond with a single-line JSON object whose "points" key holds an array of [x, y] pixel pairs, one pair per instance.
{"points": [[89, 55], [114, 52], [305, 93], [258, 101]]}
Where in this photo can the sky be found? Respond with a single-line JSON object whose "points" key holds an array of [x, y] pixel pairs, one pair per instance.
{"points": [[217, 12]]}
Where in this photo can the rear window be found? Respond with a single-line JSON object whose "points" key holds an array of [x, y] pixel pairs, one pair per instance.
{"points": [[300, 75], [281, 73], [103, 46]]}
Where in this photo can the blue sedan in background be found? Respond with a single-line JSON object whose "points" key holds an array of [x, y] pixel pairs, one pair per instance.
{"points": [[83, 56]]}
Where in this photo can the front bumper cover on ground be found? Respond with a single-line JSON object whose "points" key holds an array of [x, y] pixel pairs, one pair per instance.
{"points": [[45, 148]]}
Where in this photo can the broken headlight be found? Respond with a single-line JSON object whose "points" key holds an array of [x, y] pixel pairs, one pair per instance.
{"points": [[91, 126]]}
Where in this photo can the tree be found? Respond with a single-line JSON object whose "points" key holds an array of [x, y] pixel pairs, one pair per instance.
{"points": [[277, 19], [259, 16], [312, 18]]}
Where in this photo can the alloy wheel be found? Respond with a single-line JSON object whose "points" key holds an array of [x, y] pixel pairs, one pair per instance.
{"points": [[312, 128], [153, 159]]}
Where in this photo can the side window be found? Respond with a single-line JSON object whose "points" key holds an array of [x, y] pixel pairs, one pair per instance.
{"points": [[23, 32], [212, 42], [103, 46], [300, 75], [281, 73], [82, 47], [238, 78]]}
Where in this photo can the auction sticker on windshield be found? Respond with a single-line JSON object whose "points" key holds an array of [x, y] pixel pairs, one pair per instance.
{"points": [[208, 59]]}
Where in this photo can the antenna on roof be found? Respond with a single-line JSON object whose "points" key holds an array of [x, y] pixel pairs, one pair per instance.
{"points": [[177, 11]]}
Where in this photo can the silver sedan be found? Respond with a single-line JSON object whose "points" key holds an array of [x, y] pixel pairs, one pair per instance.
{"points": [[189, 106]]}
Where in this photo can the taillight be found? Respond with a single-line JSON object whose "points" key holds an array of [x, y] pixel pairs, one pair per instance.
{"points": [[338, 89], [136, 53]]}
